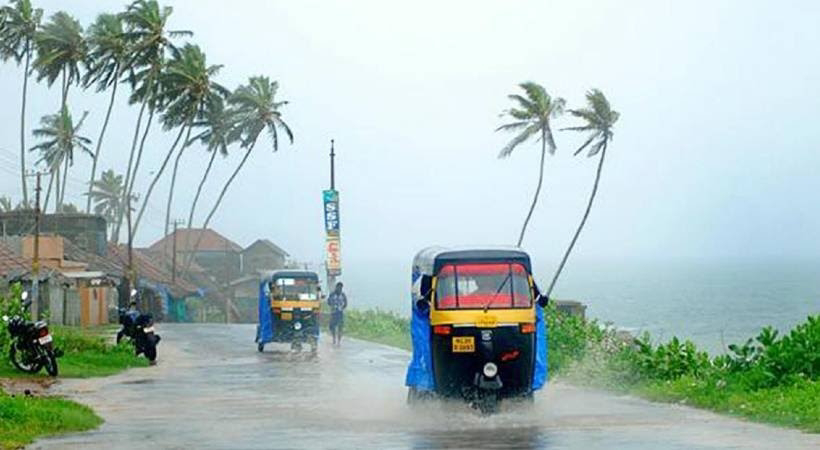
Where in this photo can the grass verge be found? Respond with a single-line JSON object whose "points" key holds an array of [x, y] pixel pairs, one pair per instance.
{"points": [[22, 419], [87, 354], [378, 326]]}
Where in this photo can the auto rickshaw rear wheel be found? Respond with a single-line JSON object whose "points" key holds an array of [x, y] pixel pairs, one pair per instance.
{"points": [[487, 403]]}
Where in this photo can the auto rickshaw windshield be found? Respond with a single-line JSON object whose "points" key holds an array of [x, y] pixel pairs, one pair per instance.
{"points": [[294, 289], [483, 285]]}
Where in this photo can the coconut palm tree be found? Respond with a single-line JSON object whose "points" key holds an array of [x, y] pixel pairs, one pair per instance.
{"points": [[186, 88], [60, 139], [257, 110], [20, 24], [599, 118], [106, 193], [146, 27], [532, 115], [219, 131], [61, 50], [107, 57]]}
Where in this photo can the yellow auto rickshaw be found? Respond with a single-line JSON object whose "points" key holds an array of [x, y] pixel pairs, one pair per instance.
{"points": [[477, 328], [289, 306]]}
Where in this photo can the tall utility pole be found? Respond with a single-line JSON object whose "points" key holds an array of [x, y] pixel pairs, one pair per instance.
{"points": [[35, 262], [332, 239], [174, 250], [332, 166]]}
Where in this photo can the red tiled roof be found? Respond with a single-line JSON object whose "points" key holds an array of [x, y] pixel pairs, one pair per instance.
{"points": [[10, 262], [187, 238]]}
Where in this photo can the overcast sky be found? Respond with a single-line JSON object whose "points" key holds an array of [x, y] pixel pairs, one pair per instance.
{"points": [[715, 155]]}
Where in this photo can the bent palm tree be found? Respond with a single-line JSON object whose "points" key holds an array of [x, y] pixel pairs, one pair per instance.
{"points": [[108, 50], [61, 49], [532, 115], [186, 87], [145, 23], [257, 110], [61, 139], [219, 132], [599, 119], [20, 25]]}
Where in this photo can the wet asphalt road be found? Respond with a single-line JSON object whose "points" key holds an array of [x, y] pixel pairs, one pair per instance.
{"points": [[212, 389]]}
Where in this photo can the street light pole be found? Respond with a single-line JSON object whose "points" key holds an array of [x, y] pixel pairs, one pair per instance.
{"points": [[332, 166]]}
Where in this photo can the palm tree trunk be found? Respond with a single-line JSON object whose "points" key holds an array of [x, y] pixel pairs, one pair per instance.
{"points": [[23, 124], [537, 189], [581, 225], [64, 98], [156, 179], [99, 145], [115, 238], [65, 179], [216, 206], [139, 152], [48, 192], [57, 191], [199, 188], [174, 179]]}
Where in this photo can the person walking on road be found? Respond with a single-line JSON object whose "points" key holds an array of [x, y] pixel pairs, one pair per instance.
{"points": [[338, 303]]}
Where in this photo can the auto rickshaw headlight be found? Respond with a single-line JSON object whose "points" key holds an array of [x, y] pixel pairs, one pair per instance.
{"points": [[490, 370], [297, 326]]}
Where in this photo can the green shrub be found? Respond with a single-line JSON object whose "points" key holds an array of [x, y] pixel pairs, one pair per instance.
{"points": [[10, 306]]}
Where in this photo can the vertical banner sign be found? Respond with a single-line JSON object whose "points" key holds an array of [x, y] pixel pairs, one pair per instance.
{"points": [[333, 242]]}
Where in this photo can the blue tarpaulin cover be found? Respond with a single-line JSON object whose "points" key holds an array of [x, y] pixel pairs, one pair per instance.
{"points": [[264, 331], [539, 375], [420, 371]]}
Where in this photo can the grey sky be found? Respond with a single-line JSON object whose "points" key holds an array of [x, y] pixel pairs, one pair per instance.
{"points": [[715, 156]]}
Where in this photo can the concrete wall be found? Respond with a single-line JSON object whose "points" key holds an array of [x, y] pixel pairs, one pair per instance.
{"points": [[86, 230]]}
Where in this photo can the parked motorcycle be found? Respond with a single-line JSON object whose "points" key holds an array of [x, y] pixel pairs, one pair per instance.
{"points": [[139, 329], [32, 346]]}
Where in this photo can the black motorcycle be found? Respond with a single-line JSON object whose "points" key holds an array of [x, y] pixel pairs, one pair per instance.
{"points": [[139, 329], [32, 346]]}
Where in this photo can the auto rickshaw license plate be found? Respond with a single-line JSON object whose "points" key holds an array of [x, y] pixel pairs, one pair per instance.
{"points": [[287, 316], [463, 344]]}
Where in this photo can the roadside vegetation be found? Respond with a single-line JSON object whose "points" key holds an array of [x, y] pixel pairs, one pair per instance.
{"points": [[87, 354], [770, 378], [379, 326], [25, 418]]}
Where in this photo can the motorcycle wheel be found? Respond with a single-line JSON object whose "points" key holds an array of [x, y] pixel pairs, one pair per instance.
{"points": [[18, 357], [51, 363], [151, 352]]}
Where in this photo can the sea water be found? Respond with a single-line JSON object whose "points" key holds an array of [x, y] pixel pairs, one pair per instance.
{"points": [[712, 303]]}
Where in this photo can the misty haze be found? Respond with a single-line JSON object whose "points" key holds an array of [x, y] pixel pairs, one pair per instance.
{"points": [[327, 224]]}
